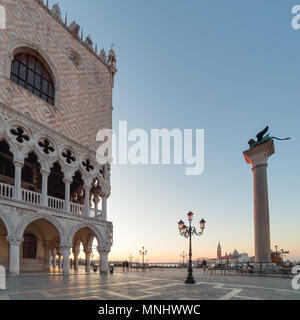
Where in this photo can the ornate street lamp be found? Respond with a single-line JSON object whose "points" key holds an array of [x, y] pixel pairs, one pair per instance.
{"points": [[130, 260], [188, 232], [143, 253], [183, 255]]}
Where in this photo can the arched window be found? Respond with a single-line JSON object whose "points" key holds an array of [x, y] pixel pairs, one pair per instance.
{"points": [[29, 246], [7, 168], [30, 72]]}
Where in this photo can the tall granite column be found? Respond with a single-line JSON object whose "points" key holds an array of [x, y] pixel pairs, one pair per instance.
{"points": [[258, 158]]}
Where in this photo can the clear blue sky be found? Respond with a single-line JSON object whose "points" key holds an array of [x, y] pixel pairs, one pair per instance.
{"points": [[228, 67]]}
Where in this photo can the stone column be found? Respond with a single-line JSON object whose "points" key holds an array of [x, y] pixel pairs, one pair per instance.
{"points": [[258, 158], [18, 180], [88, 253], [65, 250], [76, 254], [96, 201], [87, 204], [104, 207], [60, 261], [49, 258], [67, 194], [103, 260], [44, 200], [54, 253], [14, 254]]}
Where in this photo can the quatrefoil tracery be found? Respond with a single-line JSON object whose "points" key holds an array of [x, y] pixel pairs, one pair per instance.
{"points": [[88, 165], [20, 134], [68, 155], [101, 171], [46, 146]]}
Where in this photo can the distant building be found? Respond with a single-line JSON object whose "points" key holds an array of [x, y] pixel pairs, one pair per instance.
{"points": [[219, 251], [232, 258]]}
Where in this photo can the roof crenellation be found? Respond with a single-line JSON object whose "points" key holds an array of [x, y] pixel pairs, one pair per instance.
{"points": [[74, 29]]}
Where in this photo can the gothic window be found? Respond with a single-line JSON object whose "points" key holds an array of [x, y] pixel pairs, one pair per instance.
{"points": [[30, 73], [29, 246], [7, 167], [27, 174]]}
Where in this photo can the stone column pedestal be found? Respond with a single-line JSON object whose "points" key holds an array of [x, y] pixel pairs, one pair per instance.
{"points": [[258, 158]]}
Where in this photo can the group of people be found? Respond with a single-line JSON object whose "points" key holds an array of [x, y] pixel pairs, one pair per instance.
{"points": [[126, 265]]}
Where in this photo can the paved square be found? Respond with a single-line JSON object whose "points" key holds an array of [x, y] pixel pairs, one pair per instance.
{"points": [[156, 284]]}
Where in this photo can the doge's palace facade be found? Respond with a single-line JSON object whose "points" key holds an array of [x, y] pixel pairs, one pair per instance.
{"points": [[55, 94]]}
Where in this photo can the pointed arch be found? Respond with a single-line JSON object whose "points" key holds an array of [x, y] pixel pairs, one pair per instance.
{"points": [[98, 234], [41, 216], [36, 152], [12, 145], [7, 223]]}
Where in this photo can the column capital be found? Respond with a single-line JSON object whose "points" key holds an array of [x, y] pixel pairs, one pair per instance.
{"points": [[75, 252], [102, 250], [259, 155], [65, 246], [105, 195], [14, 240], [45, 173], [88, 250], [87, 188], [18, 163], [68, 180]]}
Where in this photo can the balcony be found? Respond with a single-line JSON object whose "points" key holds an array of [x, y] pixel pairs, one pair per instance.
{"points": [[36, 199]]}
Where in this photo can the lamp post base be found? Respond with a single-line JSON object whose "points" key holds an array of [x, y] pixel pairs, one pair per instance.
{"points": [[190, 279]]}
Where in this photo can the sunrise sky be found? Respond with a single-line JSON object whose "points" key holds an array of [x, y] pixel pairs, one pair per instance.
{"points": [[222, 66]]}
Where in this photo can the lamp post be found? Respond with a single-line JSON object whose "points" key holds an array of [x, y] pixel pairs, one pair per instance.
{"points": [[143, 253], [130, 260], [276, 255], [183, 256], [188, 232]]}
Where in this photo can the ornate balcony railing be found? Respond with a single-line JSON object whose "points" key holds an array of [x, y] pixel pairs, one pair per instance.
{"points": [[35, 198], [6, 190], [77, 209], [31, 197], [56, 204], [95, 213]]}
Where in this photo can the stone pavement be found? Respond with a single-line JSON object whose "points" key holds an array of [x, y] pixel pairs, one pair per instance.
{"points": [[158, 284]]}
